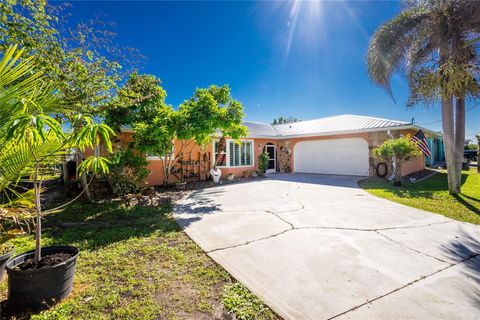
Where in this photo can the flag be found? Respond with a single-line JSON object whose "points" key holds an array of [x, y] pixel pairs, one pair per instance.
{"points": [[421, 142]]}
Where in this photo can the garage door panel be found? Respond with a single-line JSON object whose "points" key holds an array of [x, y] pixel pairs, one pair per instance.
{"points": [[334, 156]]}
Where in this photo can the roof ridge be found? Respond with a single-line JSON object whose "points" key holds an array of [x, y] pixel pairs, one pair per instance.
{"points": [[376, 118]]}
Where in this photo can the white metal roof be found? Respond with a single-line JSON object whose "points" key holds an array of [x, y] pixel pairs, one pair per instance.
{"points": [[346, 123], [259, 130], [341, 123]]}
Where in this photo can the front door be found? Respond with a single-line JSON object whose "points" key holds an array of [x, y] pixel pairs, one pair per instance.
{"points": [[272, 158]]}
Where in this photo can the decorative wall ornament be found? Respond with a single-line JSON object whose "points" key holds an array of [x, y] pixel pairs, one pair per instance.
{"points": [[284, 154]]}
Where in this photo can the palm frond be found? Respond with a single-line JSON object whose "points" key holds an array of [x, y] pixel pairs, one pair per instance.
{"points": [[388, 46]]}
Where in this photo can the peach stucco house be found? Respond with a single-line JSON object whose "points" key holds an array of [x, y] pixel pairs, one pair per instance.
{"points": [[334, 145]]}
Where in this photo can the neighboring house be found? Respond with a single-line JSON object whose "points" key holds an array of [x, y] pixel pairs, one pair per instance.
{"points": [[333, 145]]}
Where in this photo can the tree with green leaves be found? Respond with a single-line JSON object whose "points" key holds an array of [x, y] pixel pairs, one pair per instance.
{"points": [[31, 134], [140, 104], [84, 62], [212, 112], [429, 42], [282, 120], [396, 152]]}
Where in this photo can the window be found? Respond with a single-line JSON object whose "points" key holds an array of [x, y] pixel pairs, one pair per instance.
{"points": [[240, 153], [234, 154], [223, 155], [152, 156]]}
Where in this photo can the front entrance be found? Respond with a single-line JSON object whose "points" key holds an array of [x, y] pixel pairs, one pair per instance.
{"points": [[272, 157]]}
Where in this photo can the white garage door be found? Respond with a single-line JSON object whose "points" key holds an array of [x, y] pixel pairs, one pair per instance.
{"points": [[335, 156]]}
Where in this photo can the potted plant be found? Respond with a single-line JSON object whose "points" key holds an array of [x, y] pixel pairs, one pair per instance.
{"points": [[13, 222], [180, 185], [255, 173], [230, 176], [32, 135], [6, 251]]}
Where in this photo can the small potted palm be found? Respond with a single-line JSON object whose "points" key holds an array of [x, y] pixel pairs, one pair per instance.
{"points": [[31, 135]]}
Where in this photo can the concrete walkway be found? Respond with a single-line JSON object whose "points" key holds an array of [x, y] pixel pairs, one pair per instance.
{"points": [[318, 247]]}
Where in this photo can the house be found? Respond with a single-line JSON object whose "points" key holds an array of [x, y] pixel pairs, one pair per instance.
{"points": [[333, 145]]}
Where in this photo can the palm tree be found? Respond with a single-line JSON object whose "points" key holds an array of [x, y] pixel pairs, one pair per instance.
{"points": [[31, 135], [433, 43]]}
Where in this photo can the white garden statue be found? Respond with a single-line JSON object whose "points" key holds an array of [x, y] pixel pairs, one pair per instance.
{"points": [[216, 174]]}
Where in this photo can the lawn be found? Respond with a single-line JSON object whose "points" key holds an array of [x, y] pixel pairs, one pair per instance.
{"points": [[137, 264], [431, 195]]}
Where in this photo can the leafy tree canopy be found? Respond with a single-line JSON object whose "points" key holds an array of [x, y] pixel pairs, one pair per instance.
{"points": [[402, 149], [211, 111], [396, 152], [81, 61]]}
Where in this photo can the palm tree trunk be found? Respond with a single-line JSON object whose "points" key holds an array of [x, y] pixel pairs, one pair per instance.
{"points": [[448, 122], [459, 139], [449, 140]]}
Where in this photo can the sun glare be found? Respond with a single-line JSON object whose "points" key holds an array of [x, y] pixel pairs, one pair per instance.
{"points": [[304, 22]]}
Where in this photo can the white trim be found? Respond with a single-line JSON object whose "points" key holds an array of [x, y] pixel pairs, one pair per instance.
{"points": [[227, 153]]}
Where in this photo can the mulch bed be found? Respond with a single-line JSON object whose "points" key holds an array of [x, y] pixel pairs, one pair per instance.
{"points": [[414, 177]]}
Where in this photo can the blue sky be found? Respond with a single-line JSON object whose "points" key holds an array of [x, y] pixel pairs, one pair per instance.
{"points": [[280, 58]]}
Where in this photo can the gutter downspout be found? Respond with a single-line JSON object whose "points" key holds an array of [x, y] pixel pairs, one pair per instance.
{"points": [[394, 159]]}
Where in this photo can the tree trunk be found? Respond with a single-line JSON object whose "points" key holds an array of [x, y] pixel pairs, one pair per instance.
{"points": [[398, 174], [448, 128], [38, 208], [459, 139], [83, 177], [449, 140], [478, 153], [221, 145]]}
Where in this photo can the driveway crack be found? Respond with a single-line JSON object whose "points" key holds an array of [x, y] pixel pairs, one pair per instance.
{"points": [[250, 241], [410, 248], [405, 286], [282, 219]]}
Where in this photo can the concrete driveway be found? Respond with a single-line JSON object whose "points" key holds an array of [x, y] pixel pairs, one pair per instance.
{"points": [[318, 247]]}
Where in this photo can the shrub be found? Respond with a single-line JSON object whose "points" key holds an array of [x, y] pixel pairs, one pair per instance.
{"points": [[128, 171], [396, 152], [263, 162]]}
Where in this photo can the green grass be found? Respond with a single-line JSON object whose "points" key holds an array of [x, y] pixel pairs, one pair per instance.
{"points": [[136, 264], [432, 195]]}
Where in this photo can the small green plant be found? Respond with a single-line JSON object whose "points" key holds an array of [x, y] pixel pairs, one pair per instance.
{"points": [[263, 162], [245, 305], [396, 152]]}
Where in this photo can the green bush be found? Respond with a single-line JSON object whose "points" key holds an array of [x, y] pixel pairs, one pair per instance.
{"points": [[396, 152], [128, 171], [263, 162]]}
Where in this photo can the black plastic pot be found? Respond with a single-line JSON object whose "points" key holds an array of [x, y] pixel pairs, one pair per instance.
{"points": [[39, 288], [3, 262]]}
